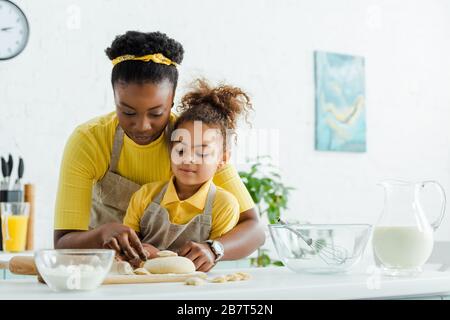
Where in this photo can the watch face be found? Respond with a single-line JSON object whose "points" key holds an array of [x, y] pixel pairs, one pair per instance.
{"points": [[217, 247], [14, 30]]}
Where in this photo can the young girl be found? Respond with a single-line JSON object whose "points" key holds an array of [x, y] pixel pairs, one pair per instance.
{"points": [[190, 207]]}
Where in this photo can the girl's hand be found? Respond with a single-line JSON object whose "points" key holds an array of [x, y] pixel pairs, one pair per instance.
{"points": [[123, 240], [200, 253]]}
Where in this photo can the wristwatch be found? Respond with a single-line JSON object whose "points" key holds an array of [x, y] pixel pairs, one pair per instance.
{"points": [[217, 248]]}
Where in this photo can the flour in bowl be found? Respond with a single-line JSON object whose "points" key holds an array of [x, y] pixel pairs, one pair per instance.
{"points": [[74, 277]]}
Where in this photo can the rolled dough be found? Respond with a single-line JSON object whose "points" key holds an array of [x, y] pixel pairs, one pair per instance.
{"points": [[171, 264], [121, 267], [167, 253]]}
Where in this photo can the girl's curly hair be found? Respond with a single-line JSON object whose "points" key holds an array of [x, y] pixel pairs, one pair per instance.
{"points": [[215, 106]]}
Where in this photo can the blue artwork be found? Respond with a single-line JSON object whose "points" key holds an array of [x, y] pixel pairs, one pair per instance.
{"points": [[340, 102]]}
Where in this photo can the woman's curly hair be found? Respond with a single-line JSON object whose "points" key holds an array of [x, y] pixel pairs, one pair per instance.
{"points": [[140, 44]]}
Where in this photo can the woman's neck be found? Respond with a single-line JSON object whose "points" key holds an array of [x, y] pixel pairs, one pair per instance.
{"points": [[185, 191]]}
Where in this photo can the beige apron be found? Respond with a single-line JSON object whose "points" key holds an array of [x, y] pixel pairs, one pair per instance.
{"points": [[157, 230], [111, 195]]}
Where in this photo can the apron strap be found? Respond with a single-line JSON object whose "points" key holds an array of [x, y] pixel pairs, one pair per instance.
{"points": [[210, 200], [117, 147], [160, 195]]}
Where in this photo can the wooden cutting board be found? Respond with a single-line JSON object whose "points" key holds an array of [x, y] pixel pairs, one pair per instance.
{"points": [[151, 278], [26, 266]]}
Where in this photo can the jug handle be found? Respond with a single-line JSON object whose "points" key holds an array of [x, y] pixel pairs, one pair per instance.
{"points": [[435, 225]]}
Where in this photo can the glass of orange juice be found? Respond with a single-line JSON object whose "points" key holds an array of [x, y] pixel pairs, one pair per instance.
{"points": [[14, 217]]}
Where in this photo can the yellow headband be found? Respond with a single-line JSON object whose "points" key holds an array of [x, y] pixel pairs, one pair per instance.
{"points": [[156, 58]]}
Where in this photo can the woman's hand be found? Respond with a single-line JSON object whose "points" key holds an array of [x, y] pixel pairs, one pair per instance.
{"points": [[200, 253], [123, 240], [152, 252]]}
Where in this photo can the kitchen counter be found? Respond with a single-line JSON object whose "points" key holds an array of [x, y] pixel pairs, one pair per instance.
{"points": [[266, 283]]}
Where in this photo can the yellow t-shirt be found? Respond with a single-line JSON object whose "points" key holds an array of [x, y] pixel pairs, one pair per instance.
{"points": [[86, 159], [225, 209]]}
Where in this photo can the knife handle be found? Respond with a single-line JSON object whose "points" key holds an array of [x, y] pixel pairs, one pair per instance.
{"points": [[4, 168], [21, 168], [10, 165]]}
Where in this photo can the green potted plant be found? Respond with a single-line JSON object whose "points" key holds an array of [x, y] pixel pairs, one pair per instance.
{"points": [[270, 195]]}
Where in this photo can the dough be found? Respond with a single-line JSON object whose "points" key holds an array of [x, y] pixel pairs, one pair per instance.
{"points": [[172, 264], [141, 271], [238, 276], [167, 253], [219, 279], [244, 275], [121, 267], [233, 277], [195, 281]]}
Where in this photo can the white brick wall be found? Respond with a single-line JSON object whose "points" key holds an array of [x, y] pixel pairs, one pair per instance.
{"points": [[62, 79]]}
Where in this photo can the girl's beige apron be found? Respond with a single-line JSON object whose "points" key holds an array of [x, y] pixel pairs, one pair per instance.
{"points": [[157, 230], [111, 196]]}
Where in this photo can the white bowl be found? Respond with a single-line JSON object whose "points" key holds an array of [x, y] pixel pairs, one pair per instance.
{"points": [[74, 269]]}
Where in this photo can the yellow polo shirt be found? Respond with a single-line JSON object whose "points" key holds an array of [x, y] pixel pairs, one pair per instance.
{"points": [[225, 209], [86, 159]]}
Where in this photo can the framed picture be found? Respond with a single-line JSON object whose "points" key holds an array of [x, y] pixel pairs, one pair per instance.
{"points": [[340, 102]]}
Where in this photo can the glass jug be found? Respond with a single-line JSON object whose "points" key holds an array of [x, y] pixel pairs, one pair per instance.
{"points": [[403, 238]]}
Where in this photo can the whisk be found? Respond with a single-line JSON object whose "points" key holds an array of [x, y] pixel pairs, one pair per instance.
{"points": [[331, 255]]}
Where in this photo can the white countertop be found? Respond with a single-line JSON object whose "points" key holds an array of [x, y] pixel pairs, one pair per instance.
{"points": [[267, 283]]}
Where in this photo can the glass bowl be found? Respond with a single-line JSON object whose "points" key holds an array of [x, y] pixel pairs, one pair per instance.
{"points": [[74, 269], [320, 248]]}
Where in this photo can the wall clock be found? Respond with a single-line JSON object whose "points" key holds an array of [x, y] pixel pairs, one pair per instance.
{"points": [[14, 30]]}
